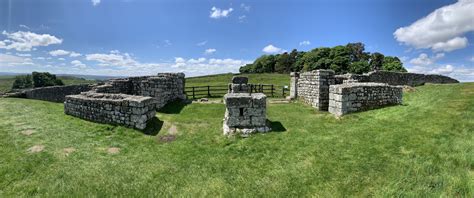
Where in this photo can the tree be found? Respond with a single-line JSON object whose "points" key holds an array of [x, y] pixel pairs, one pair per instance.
{"points": [[376, 61], [356, 52], [393, 64], [22, 82], [340, 59], [359, 67], [45, 79], [283, 63]]}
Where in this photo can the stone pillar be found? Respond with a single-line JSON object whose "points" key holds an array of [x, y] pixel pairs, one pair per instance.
{"points": [[245, 114], [324, 78], [294, 85]]}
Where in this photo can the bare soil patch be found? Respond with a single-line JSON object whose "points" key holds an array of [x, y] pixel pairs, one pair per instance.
{"points": [[28, 132], [113, 150], [68, 150], [36, 149], [167, 138]]}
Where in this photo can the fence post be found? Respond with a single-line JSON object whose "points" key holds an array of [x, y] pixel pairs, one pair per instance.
{"points": [[209, 91], [283, 91], [272, 90], [194, 96]]}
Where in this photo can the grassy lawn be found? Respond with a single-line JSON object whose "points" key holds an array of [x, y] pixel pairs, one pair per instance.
{"points": [[6, 82], [224, 79], [424, 147]]}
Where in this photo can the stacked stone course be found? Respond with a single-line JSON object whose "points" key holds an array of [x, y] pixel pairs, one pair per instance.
{"points": [[54, 93], [313, 88], [130, 101], [354, 97], [245, 113], [395, 78], [128, 110]]}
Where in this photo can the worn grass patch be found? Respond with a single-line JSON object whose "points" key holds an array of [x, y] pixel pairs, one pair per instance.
{"points": [[424, 147]]}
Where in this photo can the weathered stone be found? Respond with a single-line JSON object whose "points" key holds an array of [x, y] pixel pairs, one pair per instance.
{"points": [[240, 80], [245, 113]]}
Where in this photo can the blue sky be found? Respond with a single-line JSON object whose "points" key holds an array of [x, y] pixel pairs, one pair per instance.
{"points": [[143, 37]]}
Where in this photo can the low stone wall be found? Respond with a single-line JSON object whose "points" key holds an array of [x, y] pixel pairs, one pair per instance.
{"points": [[313, 88], [245, 113], [353, 97], [55, 93], [164, 87], [395, 78], [122, 109]]}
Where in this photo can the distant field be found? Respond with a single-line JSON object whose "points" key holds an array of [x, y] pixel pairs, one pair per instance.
{"points": [[6, 82], [423, 148], [224, 79]]}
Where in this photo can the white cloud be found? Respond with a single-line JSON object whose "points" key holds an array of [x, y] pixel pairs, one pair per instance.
{"points": [[270, 49], [61, 59], [472, 59], [245, 7], [59, 53], [445, 70], [23, 55], [78, 64], [40, 58], [452, 44], [242, 18], [210, 51], [74, 54], [442, 29], [24, 26], [95, 2], [113, 59], [217, 13], [302, 43], [11, 60], [201, 43], [26, 41], [424, 60]]}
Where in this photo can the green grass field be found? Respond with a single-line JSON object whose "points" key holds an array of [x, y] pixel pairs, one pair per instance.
{"points": [[6, 82], [423, 148]]}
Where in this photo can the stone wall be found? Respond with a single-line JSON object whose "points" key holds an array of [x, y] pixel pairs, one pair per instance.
{"points": [[131, 111], [353, 97], [54, 93], [395, 78], [164, 87], [245, 113], [313, 88]]}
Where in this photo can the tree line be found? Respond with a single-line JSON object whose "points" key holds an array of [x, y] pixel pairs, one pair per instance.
{"points": [[36, 79], [350, 58]]}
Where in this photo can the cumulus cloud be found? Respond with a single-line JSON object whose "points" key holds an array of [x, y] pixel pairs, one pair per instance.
{"points": [[210, 51], [113, 59], [23, 55], [242, 18], [270, 49], [74, 54], [302, 43], [95, 2], [11, 60], [59, 53], [26, 41], [441, 30], [424, 60], [217, 13], [78, 64], [24, 26]]}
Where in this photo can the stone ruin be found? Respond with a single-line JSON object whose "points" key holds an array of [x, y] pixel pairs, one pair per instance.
{"points": [[342, 94], [245, 112], [131, 102]]}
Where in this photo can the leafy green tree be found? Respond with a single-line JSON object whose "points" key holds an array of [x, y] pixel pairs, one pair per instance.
{"points": [[376, 61], [45, 79], [22, 82], [317, 58], [359, 67], [283, 63], [393, 64], [340, 59], [357, 52]]}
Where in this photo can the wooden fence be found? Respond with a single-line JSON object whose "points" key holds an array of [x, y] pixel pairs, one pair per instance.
{"points": [[220, 90]]}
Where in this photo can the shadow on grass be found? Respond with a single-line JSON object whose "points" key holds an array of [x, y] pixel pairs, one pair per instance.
{"points": [[174, 107], [276, 126], [153, 127]]}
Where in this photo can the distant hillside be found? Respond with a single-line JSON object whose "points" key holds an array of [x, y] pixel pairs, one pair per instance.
{"points": [[6, 81]]}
